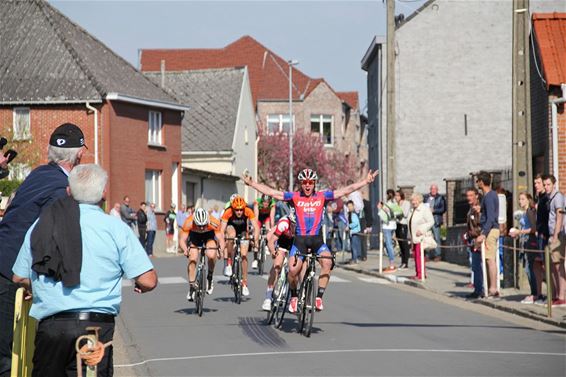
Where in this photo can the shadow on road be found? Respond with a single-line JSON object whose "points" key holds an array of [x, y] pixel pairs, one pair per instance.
{"points": [[290, 325], [189, 311], [229, 299], [255, 329]]}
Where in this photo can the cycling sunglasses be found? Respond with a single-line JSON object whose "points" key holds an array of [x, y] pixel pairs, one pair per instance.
{"points": [[308, 182]]}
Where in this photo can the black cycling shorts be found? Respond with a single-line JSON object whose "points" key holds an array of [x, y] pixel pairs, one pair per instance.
{"points": [[315, 243], [200, 239]]}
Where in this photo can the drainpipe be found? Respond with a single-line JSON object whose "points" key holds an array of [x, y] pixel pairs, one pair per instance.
{"points": [[93, 109], [554, 103]]}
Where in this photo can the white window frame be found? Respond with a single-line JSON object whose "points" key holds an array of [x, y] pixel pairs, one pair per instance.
{"points": [[320, 118], [18, 134], [280, 121], [156, 195], [18, 171], [154, 128]]}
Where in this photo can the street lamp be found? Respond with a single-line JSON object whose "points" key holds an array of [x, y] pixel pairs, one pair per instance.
{"points": [[291, 64]]}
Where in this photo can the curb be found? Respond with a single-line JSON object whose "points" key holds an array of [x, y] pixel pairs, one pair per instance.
{"points": [[491, 304]]}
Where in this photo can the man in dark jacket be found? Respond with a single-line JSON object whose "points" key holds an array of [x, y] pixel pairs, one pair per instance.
{"points": [[44, 185], [437, 205], [142, 223]]}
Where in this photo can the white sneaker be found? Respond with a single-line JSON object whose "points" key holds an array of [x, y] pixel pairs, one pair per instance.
{"points": [[266, 305], [228, 270], [191, 295], [245, 291], [254, 264], [210, 287]]}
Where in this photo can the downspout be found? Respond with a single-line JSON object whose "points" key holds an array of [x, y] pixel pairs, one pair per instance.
{"points": [[95, 111], [554, 103]]}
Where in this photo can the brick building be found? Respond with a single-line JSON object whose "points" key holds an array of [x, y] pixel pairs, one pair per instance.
{"points": [[548, 94], [52, 71], [317, 107]]}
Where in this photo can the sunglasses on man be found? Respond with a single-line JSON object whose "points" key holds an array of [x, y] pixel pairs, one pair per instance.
{"points": [[308, 182]]}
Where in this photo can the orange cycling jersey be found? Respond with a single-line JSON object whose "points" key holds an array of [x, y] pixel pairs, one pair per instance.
{"points": [[229, 215], [213, 225]]}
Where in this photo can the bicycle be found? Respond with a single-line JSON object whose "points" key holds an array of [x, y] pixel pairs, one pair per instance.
{"points": [[236, 278], [306, 299], [262, 251], [279, 297], [200, 279]]}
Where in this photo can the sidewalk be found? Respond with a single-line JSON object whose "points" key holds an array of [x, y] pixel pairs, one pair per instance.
{"points": [[451, 280]]}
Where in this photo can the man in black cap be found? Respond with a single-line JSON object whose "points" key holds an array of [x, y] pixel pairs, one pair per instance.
{"points": [[44, 185]]}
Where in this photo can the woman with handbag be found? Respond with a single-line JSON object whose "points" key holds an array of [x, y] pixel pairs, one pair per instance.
{"points": [[421, 222]]}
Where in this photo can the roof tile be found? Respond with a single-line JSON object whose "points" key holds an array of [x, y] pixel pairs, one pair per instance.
{"points": [[550, 32]]}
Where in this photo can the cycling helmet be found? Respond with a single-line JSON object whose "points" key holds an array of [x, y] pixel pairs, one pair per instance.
{"points": [[200, 217], [239, 203], [266, 198], [291, 216], [307, 174]]}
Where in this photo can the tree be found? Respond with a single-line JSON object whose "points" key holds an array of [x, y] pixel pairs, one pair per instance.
{"points": [[332, 167]]}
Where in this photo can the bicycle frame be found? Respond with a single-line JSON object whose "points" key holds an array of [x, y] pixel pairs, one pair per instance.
{"points": [[236, 278]]}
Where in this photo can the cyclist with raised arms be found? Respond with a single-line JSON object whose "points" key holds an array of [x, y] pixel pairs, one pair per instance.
{"points": [[235, 224], [264, 210], [279, 241], [309, 206], [201, 229]]}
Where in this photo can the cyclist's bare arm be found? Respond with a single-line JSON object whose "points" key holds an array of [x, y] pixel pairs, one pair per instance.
{"points": [[264, 189], [255, 223], [221, 241], [223, 226], [183, 241], [338, 193], [272, 217], [271, 239], [256, 210]]}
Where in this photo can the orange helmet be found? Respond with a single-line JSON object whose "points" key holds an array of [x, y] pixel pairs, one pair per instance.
{"points": [[239, 203]]}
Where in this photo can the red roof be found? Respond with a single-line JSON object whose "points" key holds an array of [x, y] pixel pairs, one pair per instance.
{"points": [[351, 98], [550, 32], [268, 71]]}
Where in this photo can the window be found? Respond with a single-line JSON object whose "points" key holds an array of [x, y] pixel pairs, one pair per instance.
{"points": [[18, 171], [278, 123], [153, 187], [154, 129], [322, 124], [22, 125]]}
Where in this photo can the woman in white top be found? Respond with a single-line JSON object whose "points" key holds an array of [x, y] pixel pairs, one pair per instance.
{"points": [[421, 222], [389, 225], [402, 231]]}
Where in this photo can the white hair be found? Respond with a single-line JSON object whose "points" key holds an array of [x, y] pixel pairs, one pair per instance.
{"points": [[87, 183], [418, 196], [58, 154]]}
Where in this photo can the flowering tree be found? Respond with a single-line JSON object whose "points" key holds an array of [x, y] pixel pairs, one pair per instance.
{"points": [[333, 168]]}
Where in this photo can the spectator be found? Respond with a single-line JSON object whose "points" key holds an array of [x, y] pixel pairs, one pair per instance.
{"points": [[329, 224], [142, 224], [557, 239], [387, 215], [181, 215], [127, 214], [88, 291], [402, 231], [528, 240], [151, 229], [357, 199], [215, 211], [341, 221], [367, 223], [421, 222], [542, 210], [437, 205], [170, 218], [44, 185], [115, 211], [490, 229], [472, 232], [355, 229]]}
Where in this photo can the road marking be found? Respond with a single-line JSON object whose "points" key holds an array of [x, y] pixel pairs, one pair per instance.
{"points": [[375, 350], [162, 280], [374, 280]]}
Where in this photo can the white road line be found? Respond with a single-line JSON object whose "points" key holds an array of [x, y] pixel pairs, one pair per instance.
{"points": [[374, 280], [375, 350], [333, 278], [162, 280]]}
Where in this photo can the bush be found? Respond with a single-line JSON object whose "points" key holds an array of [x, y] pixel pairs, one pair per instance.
{"points": [[8, 187]]}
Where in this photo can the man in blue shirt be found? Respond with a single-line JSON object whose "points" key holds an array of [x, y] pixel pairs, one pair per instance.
{"points": [[44, 185], [489, 223], [109, 250]]}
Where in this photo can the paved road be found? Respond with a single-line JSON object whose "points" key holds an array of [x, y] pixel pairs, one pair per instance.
{"points": [[368, 327]]}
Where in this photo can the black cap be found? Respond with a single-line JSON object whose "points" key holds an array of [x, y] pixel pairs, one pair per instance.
{"points": [[67, 135]]}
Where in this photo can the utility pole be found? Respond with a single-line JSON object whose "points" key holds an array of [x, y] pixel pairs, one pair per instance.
{"points": [[390, 132], [291, 176], [522, 159]]}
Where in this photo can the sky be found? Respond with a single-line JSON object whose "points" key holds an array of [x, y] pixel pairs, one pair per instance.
{"points": [[328, 38]]}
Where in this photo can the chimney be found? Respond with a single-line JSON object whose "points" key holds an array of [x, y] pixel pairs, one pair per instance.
{"points": [[163, 73]]}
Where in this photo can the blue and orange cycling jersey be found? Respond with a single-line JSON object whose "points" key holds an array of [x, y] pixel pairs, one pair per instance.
{"points": [[309, 210]]}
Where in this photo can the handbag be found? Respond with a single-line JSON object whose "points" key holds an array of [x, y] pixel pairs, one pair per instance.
{"points": [[428, 242]]}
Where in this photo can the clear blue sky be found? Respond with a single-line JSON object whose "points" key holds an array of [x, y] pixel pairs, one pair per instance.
{"points": [[329, 38]]}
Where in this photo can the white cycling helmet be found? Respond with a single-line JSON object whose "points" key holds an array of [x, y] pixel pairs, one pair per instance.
{"points": [[291, 216], [200, 217], [308, 174]]}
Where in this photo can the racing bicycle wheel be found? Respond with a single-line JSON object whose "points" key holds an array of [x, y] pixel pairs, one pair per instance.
{"points": [[309, 307]]}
